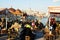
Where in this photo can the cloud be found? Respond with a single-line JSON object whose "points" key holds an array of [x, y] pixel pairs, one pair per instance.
{"points": [[56, 0]]}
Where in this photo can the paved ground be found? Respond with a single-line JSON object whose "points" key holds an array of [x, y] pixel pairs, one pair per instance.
{"points": [[3, 38], [58, 38], [40, 39], [44, 39]]}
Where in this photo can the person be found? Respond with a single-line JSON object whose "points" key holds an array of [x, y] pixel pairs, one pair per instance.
{"points": [[40, 25], [0, 27], [36, 23], [23, 23], [51, 28], [8, 25], [54, 25], [33, 24], [26, 32], [0, 30]]}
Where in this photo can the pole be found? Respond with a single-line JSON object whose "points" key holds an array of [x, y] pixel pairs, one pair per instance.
{"points": [[49, 20], [6, 22], [6, 17], [10, 1], [49, 16]]}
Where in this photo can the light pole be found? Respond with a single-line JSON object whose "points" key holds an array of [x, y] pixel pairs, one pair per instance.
{"points": [[6, 18], [10, 1], [49, 21]]}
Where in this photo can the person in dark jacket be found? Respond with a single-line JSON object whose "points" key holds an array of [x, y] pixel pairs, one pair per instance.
{"points": [[0, 27], [54, 25], [0, 30], [36, 23], [40, 25], [26, 32]]}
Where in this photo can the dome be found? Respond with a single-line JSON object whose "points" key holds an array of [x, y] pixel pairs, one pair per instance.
{"points": [[12, 9], [19, 10]]}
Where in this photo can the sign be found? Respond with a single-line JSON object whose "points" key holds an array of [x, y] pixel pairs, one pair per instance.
{"points": [[54, 9]]}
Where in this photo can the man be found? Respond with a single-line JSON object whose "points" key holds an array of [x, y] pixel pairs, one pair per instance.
{"points": [[27, 32], [40, 25], [0, 30]]}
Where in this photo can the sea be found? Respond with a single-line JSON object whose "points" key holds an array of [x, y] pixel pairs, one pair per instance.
{"points": [[44, 20]]}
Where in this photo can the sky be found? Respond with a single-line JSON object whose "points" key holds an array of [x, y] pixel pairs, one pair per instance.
{"points": [[41, 5]]}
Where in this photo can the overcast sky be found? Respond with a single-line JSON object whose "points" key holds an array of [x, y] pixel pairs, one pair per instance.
{"points": [[41, 5]]}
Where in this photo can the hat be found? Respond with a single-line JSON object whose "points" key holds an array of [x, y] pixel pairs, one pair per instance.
{"points": [[28, 26]]}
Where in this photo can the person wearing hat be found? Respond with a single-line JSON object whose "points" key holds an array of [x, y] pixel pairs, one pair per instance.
{"points": [[27, 32], [27, 26]]}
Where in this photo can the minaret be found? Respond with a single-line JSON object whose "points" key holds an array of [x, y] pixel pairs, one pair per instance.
{"points": [[11, 6], [11, 3]]}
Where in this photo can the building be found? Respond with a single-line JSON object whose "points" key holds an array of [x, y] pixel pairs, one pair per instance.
{"points": [[54, 11], [15, 12]]}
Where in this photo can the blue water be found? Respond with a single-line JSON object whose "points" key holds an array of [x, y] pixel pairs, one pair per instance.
{"points": [[44, 20]]}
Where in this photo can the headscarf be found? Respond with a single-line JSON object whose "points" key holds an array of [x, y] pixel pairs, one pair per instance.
{"points": [[28, 26]]}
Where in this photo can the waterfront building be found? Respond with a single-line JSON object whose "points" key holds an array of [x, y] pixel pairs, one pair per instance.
{"points": [[54, 11]]}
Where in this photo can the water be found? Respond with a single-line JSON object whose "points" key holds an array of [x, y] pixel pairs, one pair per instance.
{"points": [[44, 20]]}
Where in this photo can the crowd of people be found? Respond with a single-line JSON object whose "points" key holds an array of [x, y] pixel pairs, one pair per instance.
{"points": [[28, 26], [2, 24], [25, 27]]}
